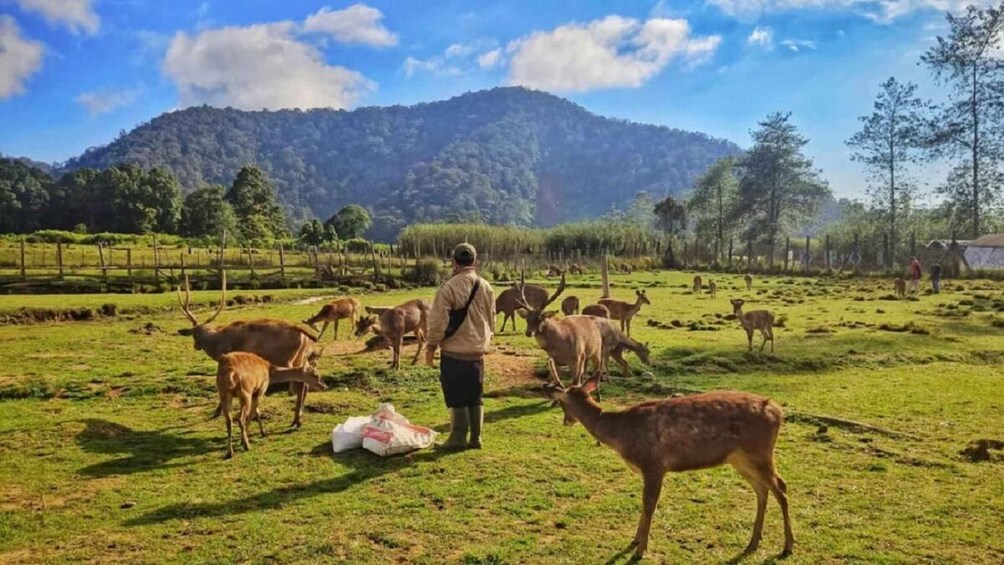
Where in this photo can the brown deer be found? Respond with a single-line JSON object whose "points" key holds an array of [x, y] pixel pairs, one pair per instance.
{"points": [[598, 310], [333, 312], [698, 283], [554, 271], [570, 306], [899, 285], [712, 289], [615, 343], [277, 341], [755, 320], [624, 311], [749, 282], [571, 341], [247, 376], [410, 317], [507, 302], [575, 269], [686, 434]]}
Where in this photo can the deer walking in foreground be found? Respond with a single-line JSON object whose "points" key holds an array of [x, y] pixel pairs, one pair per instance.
{"points": [[698, 283], [410, 317], [333, 312], [712, 289], [570, 306], [507, 302], [624, 311], [755, 320], [749, 282], [598, 310], [247, 376], [899, 286], [571, 341], [686, 434], [277, 341]]}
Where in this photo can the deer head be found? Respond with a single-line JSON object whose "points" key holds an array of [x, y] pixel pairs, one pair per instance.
{"points": [[642, 297], [307, 374], [536, 317], [643, 353], [573, 399], [201, 330], [365, 324], [737, 306]]}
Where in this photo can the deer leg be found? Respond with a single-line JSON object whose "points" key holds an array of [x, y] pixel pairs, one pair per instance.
{"points": [[243, 418], [627, 324], [228, 417], [324, 328], [336, 328], [397, 345], [763, 336], [749, 338], [552, 368], [779, 488], [420, 337], [300, 390], [254, 412], [650, 498], [771, 334]]}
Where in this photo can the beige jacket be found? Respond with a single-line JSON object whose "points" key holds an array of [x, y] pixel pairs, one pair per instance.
{"points": [[474, 337]]}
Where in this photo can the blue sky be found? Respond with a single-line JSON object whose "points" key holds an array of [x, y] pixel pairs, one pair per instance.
{"points": [[74, 73]]}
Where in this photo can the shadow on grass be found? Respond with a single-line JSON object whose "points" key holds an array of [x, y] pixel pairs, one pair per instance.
{"points": [[364, 466], [143, 450]]}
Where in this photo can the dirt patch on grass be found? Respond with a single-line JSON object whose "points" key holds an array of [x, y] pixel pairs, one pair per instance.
{"points": [[982, 450]]}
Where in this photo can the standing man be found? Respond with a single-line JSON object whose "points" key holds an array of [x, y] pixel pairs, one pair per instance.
{"points": [[461, 325], [915, 273], [936, 278]]}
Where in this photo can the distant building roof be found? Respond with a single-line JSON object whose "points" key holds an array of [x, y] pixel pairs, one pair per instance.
{"points": [[989, 240], [946, 243]]}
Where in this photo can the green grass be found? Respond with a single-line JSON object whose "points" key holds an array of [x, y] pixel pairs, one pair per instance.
{"points": [[107, 452]]}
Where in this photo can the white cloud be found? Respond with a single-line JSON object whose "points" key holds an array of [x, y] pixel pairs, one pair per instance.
{"points": [[797, 45], [435, 65], [358, 23], [19, 58], [490, 59], [879, 11], [259, 66], [77, 15], [614, 52], [761, 36], [456, 60], [104, 101]]}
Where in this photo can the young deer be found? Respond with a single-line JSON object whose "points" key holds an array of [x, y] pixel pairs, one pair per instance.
{"points": [[598, 310], [899, 285], [570, 306], [507, 302], [615, 343], [755, 320], [335, 311], [412, 316], [247, 376], [686, 434], [624, 311], [698, 283], [712, 289], [571, 341], [749, 282]]}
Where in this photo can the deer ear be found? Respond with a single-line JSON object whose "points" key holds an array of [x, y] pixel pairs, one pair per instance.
{"points": [[591, 385], [522, 313]]}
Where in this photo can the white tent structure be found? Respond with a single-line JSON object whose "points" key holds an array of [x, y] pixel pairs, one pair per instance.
{"points": [[986, 252]]}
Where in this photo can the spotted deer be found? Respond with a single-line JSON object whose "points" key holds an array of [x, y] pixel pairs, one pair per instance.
{"points": [[755, 320], [687, 434], [624, 311], [333, 312], [410, 317]]}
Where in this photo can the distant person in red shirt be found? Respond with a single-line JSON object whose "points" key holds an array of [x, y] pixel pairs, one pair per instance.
{"points": [[915, 273]]}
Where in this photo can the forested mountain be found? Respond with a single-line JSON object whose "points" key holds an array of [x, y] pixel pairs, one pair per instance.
{"points": [[506, 155]]}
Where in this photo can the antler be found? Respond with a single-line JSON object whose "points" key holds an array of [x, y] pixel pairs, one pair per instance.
{"points": [[223, 296], [186, 301], [521, 300], [561, 288]]}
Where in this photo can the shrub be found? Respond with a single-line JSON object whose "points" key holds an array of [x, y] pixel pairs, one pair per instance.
{"points": [[427, 272]]}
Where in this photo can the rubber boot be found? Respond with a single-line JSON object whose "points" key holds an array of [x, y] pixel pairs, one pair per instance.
{"points": [[459, 424], [476, 414]]}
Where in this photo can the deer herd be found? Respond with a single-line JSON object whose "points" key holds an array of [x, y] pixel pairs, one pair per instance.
{"points": [[653, 438]]}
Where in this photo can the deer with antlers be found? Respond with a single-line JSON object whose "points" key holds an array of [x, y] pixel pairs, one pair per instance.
{"points": [[686, 434], [507, 302], [394, 323], [573, 341], [333, 312], [755, 320], [624, 311], [247, 376], [279, 342]]}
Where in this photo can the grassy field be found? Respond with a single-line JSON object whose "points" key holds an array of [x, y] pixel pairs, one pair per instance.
{"points": [[107, 453]]}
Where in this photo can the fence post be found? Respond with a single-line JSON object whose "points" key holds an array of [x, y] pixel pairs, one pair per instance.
{"points": [[24, 274], [129, 263], [827, 251], [59, 258], [376, 265], [101, 257], [749, 254], [223, 247], [805, 264], [604, 275], [913, 244], [730, 252], [250, 260], [282, 263], [787, 251]]}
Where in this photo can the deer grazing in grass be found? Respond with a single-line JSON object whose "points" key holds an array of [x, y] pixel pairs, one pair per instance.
{"points": [[624, 311], [755, 320], [410, 317], [507, 302], [571, 341], [899, 285], [333, 312], [247, 376], [698, 283], [598, 310], [575, 269], [686, 434], [570, 306], [277, 341], [749, 282], [615, 343], [712, 289]]}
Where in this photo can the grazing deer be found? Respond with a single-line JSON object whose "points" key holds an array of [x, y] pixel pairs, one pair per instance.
{"points": [[899, 285], [686, 434], [410, 317], [554, 271], [749, 282], [571, 341], [575, 269], [279, 342], [570, 306], [755, 320], [334, 311], [698, 283], [507, 302], [624, 311], [615, 343], [712, 289], [247, 376], [598, 310]]}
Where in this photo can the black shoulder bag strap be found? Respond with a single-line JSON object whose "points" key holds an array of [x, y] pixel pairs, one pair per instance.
{"points": [[457, 317]]}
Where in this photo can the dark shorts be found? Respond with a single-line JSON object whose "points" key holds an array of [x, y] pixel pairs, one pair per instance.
{"points": [[462, 381]]}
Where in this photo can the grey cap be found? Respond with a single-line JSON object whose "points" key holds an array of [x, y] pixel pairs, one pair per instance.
{"points": [[464, 253]]}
